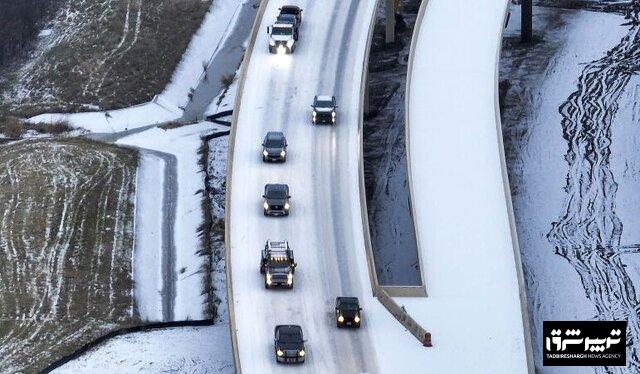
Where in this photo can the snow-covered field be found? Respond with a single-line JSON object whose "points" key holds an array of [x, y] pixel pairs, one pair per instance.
{"points": [[66, 237], [195, 350], [473, 308], [575, 174]]}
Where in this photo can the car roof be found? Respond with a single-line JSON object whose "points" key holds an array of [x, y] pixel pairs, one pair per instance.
{"points": [[289, 329], [275, 135], [347, 300], [290, 7], [324, 98], [276, 187]]}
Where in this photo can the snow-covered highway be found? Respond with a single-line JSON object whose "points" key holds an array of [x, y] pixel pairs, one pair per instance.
{"points": [[325, 225]]}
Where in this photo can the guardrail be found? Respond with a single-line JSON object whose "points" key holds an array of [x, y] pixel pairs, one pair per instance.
{"points": [[232, 140], [507, 194], [383, 293]]}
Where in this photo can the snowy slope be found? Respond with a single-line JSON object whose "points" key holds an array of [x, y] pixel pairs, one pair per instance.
{"points": [[461, 210], [325, 226], [166, 106]]}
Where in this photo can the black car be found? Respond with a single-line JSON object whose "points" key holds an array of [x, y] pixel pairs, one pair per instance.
{"points": [[324, 110], [274, 147], [277, 264], [293, 11], [289, 344], [348, 312], [276, 200]]}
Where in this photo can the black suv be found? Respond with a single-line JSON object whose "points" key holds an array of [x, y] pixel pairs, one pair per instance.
{"points": [[324, 110], [348, 312], [274, 147], [289, 344], [277, 264], [276, 200]]}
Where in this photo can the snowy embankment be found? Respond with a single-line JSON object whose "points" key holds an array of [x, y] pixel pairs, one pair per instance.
{"points": [[168, 105], [183, 143], [461, 204], [575, 147], [175, 350]]}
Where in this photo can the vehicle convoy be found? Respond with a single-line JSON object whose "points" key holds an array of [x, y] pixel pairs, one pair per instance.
{"points": [[274, 147], [289, 344], [292, 10], [324, 110], [348, 312], [283, 35], [277, 264], [276, 200]]}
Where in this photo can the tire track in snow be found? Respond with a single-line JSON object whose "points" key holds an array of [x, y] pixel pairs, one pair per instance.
{"points": [[588, 232]]}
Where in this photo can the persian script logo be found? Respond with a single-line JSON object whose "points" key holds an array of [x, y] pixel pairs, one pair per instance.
{"points": [[584, 343]]}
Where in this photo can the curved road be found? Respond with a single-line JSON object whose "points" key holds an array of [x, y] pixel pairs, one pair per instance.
{"points": [[320, 172]]}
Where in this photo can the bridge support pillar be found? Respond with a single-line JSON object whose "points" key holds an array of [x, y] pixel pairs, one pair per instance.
{"points": [[390, 24]]}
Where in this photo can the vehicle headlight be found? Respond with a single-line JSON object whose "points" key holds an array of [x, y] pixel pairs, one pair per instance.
{"points": [[341, 318], [281, 49], [283, 153], [289, 279], [272, 42], [265, 205], [356, 318], [286, 206], [268, 278], [333, 114], [279, 353], [265, 153], [290, 43], [314, 113], [301, 353]]}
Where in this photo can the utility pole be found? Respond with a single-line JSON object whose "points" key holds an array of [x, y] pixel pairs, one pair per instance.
{"points": [[526, 10], [390, 29]]}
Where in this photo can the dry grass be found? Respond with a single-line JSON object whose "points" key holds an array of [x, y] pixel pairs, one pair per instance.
{"points": [[130, 49], [65, 248], [14, 127]]}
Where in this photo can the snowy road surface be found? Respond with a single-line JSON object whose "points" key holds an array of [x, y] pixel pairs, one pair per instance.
{"points": [[461, 209], [325, 226]]}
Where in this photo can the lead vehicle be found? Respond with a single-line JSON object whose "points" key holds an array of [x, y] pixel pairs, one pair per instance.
{"points": [[276, 200], [348, 312], [277, 264], [289, 344], [324, 110], [293, 11]]}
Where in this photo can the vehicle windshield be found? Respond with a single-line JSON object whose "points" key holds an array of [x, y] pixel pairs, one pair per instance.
{"points": [[277, 194], [349, 306], [273, 143], [282, 30], [324, 104], [289, 337]]}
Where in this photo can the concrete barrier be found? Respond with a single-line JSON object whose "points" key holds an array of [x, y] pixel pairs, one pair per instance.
{"points": [[383, 294], [232, 139], [524, 306], [407, 130]]}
